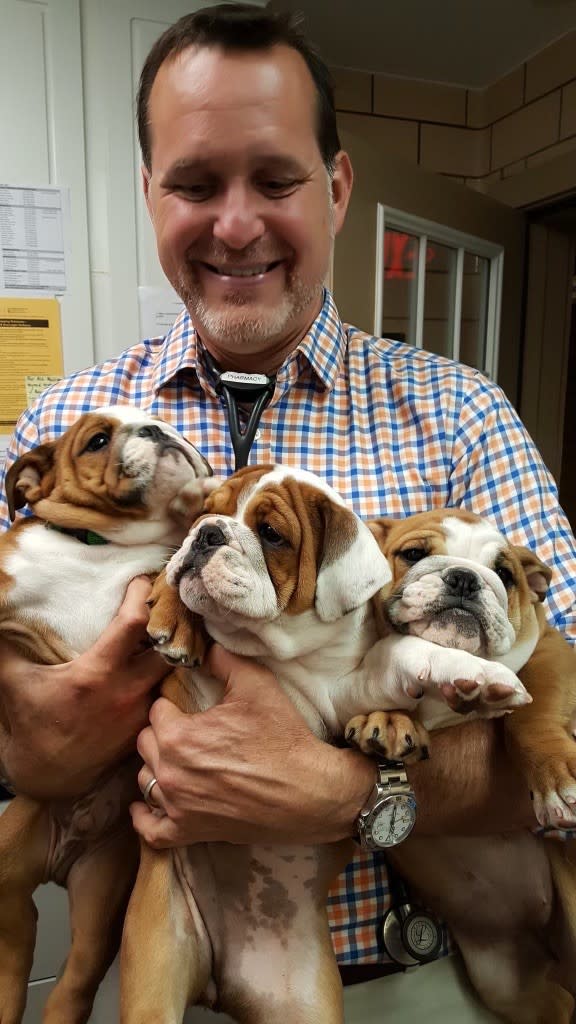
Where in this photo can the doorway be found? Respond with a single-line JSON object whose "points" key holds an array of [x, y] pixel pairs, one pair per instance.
{"points": [[548, 374]]}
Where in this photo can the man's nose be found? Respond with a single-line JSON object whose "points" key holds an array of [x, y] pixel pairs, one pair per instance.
{"points": [[239, 220]]}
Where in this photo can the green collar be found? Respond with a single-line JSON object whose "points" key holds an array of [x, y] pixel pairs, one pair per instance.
{"points": [[84, 536]]}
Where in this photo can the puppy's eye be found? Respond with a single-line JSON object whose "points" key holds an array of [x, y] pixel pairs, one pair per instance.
{"points": [[97, 441], [505, 575], [270, 536], [412, 555]]}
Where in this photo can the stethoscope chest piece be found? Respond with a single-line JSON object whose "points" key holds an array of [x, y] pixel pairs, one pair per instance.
{"points": [[411, 935]]}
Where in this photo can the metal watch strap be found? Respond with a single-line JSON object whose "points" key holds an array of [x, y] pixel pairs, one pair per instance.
{"points": [[392, 777]]}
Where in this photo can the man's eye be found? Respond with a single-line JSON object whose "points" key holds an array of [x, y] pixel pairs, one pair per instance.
{"points": [[270, 536], [98, 441], [412, 555], [276, 187], [196, 193], [505, 575]]}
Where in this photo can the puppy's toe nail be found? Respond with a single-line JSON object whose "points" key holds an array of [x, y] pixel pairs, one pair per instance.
{"points": [[375, 732]]}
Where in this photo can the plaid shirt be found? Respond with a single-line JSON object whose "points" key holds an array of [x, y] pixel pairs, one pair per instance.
{"points": [[393, 429]]}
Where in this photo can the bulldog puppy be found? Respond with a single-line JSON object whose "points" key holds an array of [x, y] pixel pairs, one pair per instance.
{"points": [[279, 570], [112, 499], [509, 900]]}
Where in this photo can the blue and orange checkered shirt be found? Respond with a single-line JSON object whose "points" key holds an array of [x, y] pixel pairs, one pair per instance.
{"points": [[393, 429]]}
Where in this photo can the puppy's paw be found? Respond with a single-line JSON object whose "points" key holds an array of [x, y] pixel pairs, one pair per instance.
{"points": [[553, 789], [468, 683], [176, 633], [389, 734]]}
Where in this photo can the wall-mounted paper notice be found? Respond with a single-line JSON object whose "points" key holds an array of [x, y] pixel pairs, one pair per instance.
{"points": [[158, 308], [30, 352], [34, 225]]}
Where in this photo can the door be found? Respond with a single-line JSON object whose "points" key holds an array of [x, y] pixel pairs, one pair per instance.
{"points": [[42, 132], [425, 258]]}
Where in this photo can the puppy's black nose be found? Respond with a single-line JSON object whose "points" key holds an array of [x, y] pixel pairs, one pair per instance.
{"points": [[208, 537], [462, 582]]}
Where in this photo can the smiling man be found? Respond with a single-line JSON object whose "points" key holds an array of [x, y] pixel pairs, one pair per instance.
{"points": [[247, 187], [243, 206]]}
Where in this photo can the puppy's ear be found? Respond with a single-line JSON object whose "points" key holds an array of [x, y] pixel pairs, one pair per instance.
{"points": [[352, 567], [27, 478], [381, 528], [537, 573]]}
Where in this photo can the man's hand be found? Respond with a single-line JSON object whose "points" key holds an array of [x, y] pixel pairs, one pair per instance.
{"points": [[61, 725], [247, 770]]}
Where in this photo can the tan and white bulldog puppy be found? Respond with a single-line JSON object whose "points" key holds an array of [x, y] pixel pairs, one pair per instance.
{"points": [[112, 499], [510, 900], [280, 570]]}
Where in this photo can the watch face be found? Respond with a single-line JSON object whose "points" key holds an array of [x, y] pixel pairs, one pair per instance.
{"points": [[393, 820]]}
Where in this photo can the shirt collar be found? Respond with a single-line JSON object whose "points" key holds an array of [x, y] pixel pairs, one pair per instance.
{"points": [[323, 347]]}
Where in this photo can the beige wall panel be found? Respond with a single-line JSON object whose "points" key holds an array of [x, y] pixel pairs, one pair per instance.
{"points": [[526, 131], [552, 152], [537, 184], [464, 151], [551, 67], [488, 105], [516, 168], [387, 136], [352, 89], [419, 101], [568, 119], [405, 186]]}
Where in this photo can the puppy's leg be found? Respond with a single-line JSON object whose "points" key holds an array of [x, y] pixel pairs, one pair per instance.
{"points": [[166, 958], [98, 890], [24, 843], [496, 893], [540, 736], [390, 734], [176, 633], [516, 980]]}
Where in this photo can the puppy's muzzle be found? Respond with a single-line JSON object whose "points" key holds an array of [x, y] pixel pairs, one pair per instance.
{"points": [[207, 541]]}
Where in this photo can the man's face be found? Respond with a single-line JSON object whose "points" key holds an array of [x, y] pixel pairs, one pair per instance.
{"points": [[242, 205]]}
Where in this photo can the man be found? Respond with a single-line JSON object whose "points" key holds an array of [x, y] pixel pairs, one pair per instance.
{"points": [[246, 187]]}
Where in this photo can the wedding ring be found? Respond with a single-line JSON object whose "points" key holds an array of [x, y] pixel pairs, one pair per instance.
{"points": [[148, 790]]}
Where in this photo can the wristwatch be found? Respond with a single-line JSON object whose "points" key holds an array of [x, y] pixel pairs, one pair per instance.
{"points": [[389, 814]]}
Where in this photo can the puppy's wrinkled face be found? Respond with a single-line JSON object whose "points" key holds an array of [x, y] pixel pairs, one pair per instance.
{"points": [[277, 540], [459, 583], [114, 467]]}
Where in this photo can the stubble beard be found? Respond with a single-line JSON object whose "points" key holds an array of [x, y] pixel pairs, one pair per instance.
{"points": [[237, 325]]}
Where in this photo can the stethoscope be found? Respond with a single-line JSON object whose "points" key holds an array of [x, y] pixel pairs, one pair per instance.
{"points": [[235, 388], [411, 935]]}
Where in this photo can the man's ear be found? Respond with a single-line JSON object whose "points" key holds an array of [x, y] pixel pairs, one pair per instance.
{"points": [[341, 185], [352, 568], [145, 176], [537, 573], [26, 476]]}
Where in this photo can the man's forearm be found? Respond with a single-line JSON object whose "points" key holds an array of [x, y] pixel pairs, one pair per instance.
{"points": [[470, 786]]}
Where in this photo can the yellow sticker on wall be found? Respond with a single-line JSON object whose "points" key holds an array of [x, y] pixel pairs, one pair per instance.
{"points": [[30, 352]]}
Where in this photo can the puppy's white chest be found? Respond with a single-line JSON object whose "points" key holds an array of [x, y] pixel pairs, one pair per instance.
{"points": [[71, 588]]}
